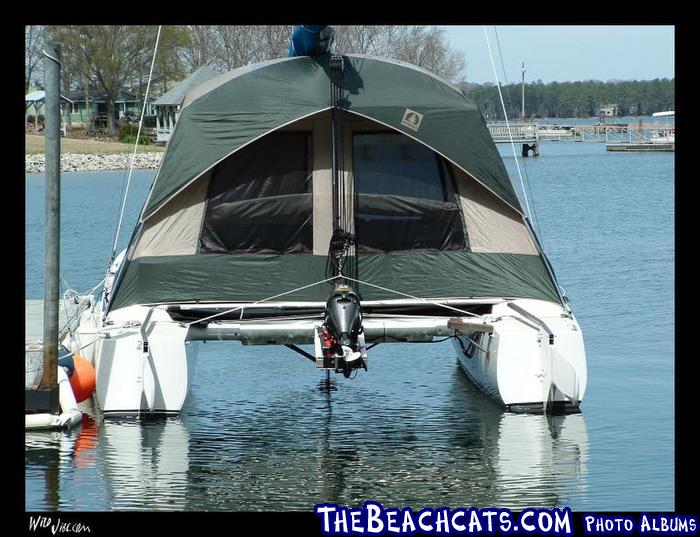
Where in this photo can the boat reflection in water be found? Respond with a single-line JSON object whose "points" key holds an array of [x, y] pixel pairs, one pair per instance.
{"points": [[516, 460], [55, 464], [312, 444], [541, 461], [145, 463]]}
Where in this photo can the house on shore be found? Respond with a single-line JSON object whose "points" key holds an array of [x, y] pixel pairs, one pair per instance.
{"points": [[90, 110], [607, 110], [168, 106]]}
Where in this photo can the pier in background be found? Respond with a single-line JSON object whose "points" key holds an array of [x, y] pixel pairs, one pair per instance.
{"points": [[618, 136], [524, 134]]}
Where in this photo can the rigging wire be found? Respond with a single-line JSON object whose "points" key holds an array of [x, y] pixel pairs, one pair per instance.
{"points": [[505, 114], [342, 239], [337, 277], [259, 301], [414, 297], [136, 145], [527, 219], [510, 104]]}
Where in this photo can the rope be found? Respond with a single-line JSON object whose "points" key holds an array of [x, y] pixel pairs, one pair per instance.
{"points": [[136, 145], [72, 294], [79, 349], [505, 114], [259, 301], [28, 348], [67, 316], [538, 239], [339, 276], [341, 240], [415, 297]]}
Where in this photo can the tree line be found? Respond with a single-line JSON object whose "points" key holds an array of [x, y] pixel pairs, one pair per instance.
{"points": [[108, 59], [574, 99]]}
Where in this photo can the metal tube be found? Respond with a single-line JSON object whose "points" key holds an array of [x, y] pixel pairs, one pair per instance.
{"points": [[302, 332], [523, 95], [52, 212]]}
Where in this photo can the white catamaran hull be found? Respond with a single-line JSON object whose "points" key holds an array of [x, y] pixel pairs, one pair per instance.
{"points": [[525, 364], [523, 354], [143, 360]]}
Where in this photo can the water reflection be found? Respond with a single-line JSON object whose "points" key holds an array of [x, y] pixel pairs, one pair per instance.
{"points": [[541, 460], [43, 451], [145, 463], [521, 460], [50, 457], [338, 442], [329, 441]]}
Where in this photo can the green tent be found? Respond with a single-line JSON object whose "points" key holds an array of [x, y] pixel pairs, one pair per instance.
{"points": [[241, 207]]}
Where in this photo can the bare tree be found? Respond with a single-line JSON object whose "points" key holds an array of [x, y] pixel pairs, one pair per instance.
{"points": [[236, 46], [275, 40], [424, 46], [201, 48], [33, 43], [229, 47], [373, 40]]}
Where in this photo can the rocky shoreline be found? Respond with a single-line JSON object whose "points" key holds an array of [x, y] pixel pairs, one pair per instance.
{"points": [[74, 162]]}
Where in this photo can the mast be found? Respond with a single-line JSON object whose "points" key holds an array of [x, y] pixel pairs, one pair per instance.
{"points": [[522, 112], [341, 240]]}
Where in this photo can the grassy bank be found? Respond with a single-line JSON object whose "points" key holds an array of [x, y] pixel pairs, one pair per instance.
{"points": [[34, 144]]}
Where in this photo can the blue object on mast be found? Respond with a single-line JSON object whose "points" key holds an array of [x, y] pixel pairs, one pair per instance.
{"points": [[310, 39]]}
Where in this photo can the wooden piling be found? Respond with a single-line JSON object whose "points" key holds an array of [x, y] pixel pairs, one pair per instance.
{"points": [[52, 215]]}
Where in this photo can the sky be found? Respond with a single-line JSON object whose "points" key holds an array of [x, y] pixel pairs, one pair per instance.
{"points": [[567, 53]]}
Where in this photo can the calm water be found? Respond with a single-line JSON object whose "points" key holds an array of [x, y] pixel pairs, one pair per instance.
{"points": [[262, 431]]}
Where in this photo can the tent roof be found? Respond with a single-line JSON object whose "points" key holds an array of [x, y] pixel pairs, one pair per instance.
{"points": [[176, 94], [228, 112]]}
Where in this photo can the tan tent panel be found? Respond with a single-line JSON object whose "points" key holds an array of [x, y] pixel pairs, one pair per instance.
{"points": [[174, 230], [323, 211], [492, 225]]}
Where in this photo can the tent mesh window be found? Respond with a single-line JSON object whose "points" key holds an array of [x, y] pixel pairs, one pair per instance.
{"points": [[405, 196], [260, 199]]}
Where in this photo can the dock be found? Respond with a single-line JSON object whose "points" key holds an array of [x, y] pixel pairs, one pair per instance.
{"points": [[617, 136], [525, 134], [33, 334], [648, 146]]}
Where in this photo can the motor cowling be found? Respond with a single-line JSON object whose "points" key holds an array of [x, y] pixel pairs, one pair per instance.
{"points": [[344, 316]]}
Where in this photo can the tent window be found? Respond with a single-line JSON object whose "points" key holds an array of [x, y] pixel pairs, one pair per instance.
{"points": [[260, 198], [405, 196]]}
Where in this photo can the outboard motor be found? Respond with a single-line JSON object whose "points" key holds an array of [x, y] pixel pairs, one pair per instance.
{"points": [[342, 327]]}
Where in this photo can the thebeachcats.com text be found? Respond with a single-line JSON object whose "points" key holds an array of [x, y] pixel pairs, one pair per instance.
{"points": [[374, 519]]}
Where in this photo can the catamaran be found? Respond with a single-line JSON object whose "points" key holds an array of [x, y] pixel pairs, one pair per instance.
{"points": [[333, 202]]}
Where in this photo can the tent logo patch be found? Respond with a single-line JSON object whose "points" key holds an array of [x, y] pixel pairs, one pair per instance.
{"points": [[412, 119]]}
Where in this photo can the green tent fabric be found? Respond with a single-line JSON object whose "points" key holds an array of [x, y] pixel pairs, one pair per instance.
{"points": [[267, 96], [254, 277], [229, 112]]}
